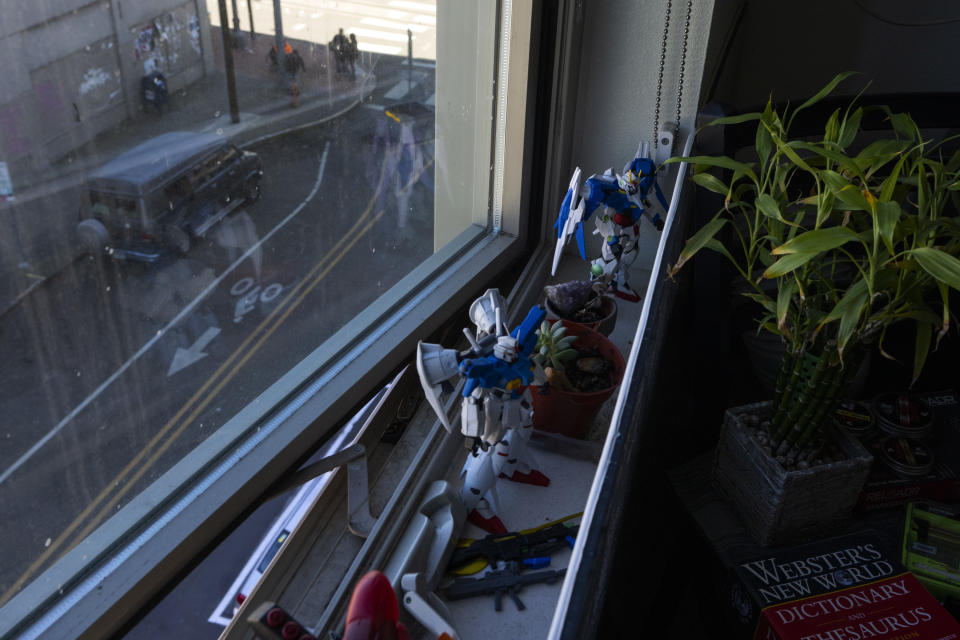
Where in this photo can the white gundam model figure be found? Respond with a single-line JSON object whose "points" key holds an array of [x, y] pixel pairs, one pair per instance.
{"points": [[496, 408], [624, 198]]}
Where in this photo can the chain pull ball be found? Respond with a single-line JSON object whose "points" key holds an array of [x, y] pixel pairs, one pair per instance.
{"points": [[663, 61], [683, 63]]}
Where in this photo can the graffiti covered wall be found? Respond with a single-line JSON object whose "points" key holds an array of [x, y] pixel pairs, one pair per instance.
{"points": [[168, 43]]}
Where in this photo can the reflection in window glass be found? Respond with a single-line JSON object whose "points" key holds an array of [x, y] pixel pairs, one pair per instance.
{"points": [[174, 238]]}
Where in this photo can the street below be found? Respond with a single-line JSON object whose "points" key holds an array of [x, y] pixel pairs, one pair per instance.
{"points": [[113, 371]]}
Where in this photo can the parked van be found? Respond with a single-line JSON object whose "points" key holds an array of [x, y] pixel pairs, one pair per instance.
{"points": [[164, 193]]}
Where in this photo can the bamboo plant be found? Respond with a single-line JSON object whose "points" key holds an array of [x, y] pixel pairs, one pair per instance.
{"points": [[836, 241]]}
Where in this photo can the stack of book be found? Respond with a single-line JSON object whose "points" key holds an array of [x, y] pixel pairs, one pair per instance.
{"points": [[842, 588]]}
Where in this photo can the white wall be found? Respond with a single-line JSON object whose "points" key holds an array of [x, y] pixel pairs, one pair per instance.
{"points": [[619, 69]]}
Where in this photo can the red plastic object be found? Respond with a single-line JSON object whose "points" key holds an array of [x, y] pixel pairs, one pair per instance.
{"points": [[571, 413], [275, 617], [493, 524], [373, 613], [291, 630]]}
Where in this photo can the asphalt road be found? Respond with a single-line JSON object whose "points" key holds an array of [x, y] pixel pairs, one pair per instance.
{"points": [[113, 371]]}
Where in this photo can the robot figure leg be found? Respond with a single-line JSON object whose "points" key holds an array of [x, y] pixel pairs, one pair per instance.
{"points": [[479, 479], [514, 462], [512, 459], [628, 242]]}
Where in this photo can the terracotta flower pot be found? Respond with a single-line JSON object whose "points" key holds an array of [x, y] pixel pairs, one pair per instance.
{"points": [[572, 413]]}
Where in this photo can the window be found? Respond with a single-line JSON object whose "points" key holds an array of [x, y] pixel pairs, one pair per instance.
{"points": [[162, 369]]}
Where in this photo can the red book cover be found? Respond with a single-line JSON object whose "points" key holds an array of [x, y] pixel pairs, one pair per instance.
{"points": [[897, 607], [841, 588]]}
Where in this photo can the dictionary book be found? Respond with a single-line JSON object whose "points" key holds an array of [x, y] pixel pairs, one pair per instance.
{"points": [[842, 588]]}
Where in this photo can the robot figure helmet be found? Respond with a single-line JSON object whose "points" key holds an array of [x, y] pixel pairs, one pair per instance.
{"points": [[641, 167], [629, 182]]}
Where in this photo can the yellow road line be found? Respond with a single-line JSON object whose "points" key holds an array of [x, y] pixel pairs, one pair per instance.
{"points": [[104, 511], [53, 546]]}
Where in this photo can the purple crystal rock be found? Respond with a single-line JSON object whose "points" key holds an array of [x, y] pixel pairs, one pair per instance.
{"points": [[569, 297]]}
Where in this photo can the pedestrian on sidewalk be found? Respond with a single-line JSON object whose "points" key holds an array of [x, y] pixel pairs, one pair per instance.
{"points": [[340, 48], [353, 55], [272, 54], [293, 64]]}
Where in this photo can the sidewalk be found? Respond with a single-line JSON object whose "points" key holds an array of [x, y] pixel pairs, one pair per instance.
{"points": [[44, 214]]}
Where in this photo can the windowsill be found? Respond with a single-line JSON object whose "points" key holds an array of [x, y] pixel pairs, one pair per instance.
{"points": [[313, 574]]}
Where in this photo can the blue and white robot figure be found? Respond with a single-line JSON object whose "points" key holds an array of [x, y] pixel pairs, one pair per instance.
{"points": [[624, 198], [496, 410]]}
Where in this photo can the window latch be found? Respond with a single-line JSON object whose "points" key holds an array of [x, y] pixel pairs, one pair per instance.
{"points": [[359, 520]]}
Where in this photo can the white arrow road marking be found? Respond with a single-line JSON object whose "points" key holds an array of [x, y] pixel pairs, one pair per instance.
{"points": [[183, 358], [180, 316]]}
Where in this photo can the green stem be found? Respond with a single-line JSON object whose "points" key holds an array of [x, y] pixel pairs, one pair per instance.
{"points": [[783, 378], [779, 423], [799, 415]]}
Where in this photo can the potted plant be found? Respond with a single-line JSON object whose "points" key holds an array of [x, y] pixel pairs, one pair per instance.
{"points": [[835, 242], [582, 368], [582, 302]]}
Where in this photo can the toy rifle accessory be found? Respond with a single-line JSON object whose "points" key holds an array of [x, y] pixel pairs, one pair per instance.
{"points": [[504, 581], [523, 547]]}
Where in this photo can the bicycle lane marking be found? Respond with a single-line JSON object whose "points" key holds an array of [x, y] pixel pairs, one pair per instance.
{"points": [[150, 343]]}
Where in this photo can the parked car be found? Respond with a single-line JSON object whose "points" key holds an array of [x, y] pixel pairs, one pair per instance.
{"points": [[164, 193]]}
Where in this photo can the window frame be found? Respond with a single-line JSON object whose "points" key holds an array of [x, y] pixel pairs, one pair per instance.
{"points": [[95, 588]]}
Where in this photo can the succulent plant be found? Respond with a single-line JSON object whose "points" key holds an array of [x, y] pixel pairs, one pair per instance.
{"points": [[554, 351]]}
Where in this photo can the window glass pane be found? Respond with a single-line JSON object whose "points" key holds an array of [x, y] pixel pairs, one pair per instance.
{"points": [[182, 220]]}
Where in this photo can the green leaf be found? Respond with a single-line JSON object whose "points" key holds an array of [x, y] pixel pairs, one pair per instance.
{"points": [[772, 328], [816, 241], [842, 160], [825, 204], [921, 348], [942, 266], [887, 213], [788, 263], [566, 354], [711, 182], [717, 246], [849, 128], [769, 207], [737, 119], [698, 241], [765, 301], [904, 125], [788, 150], [855, 297], [848, 311], [832, 130], [878, 154], [820, 95], [721, 161], [784, 296], [945, 298], [845, 192], [763, 143], [890, 182]]}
